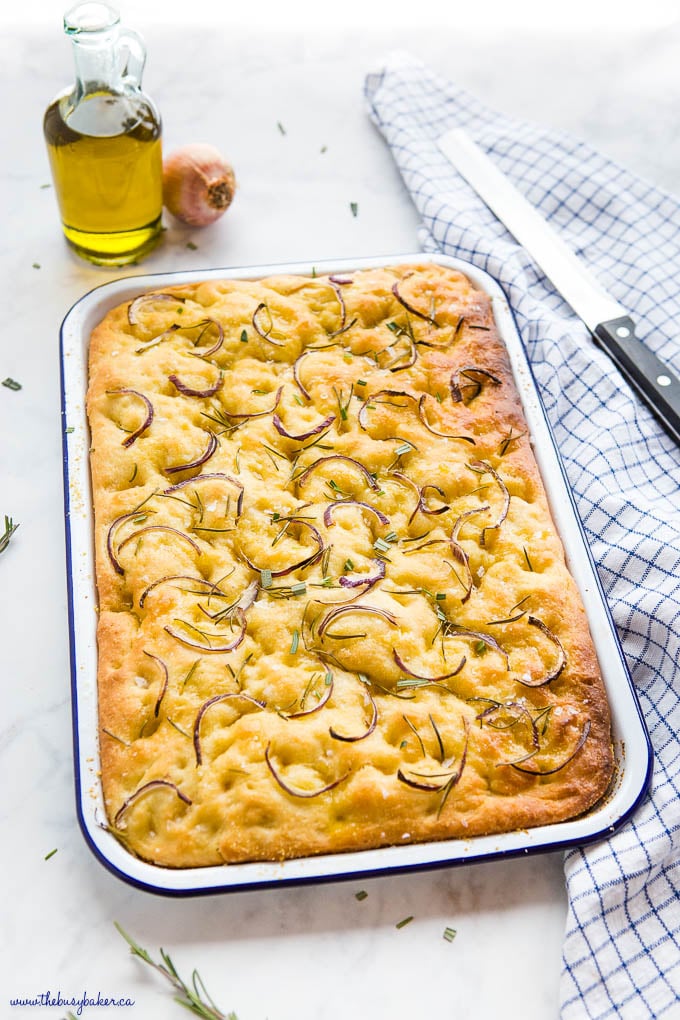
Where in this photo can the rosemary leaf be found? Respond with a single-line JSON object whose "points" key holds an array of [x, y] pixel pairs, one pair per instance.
{"points": [[10, 528], [194, 996]]}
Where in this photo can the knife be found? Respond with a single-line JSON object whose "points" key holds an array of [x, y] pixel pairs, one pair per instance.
{"points": [[610, 324]]}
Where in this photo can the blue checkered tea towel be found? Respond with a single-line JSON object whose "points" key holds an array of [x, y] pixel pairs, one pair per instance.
{"points": [[621, 954]]}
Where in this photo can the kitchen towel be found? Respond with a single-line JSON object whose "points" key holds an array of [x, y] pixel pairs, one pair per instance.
{"points": [[621, 954]]}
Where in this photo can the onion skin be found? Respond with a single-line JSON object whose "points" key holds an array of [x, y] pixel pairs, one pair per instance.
{"points": [[198, 184]]}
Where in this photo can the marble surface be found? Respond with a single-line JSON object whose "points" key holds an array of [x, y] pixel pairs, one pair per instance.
{"points": [[314, 951]]}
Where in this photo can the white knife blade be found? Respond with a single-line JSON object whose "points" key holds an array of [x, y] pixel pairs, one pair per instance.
{"points": [[608, 321]]}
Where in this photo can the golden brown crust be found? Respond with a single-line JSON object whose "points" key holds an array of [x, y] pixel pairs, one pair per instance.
{"points": [[250, 711]]}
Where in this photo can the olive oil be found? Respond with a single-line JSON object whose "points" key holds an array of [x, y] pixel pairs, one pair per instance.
{"points": [[103, 140], [107, 170]]}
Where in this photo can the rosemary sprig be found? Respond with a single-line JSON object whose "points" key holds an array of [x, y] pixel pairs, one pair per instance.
{"points": [[10, 528], [193, 997]]}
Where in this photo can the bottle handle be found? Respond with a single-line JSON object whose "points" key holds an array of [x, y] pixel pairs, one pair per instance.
{"points": [[131, 54]]}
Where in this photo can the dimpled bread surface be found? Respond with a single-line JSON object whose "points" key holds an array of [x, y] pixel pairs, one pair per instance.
{"points": [[334, 611]]}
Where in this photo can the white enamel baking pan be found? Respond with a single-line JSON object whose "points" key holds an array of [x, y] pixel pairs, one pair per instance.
{"points": [[634, 766]]}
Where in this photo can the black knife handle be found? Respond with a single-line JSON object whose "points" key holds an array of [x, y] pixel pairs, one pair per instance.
{"points": [[653, 381]]}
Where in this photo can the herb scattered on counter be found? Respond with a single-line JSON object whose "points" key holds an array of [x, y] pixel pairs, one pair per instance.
{"points": [[324, 148], [193, 997], [280, 127], [10, 528], [191, 246], [404, 921], [449, 934], [43, 186], [354, 206], [11, 384], [36, 265], [50, 854], [69, 430], [361, 895]]}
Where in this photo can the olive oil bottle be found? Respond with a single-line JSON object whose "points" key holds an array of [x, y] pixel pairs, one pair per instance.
{"points": [[103, 138]]}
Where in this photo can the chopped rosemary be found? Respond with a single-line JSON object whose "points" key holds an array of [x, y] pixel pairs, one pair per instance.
{"points": [[354, 206], [381, 545], [404, 448], [295, 643], [69, 430], [11, 384], [361, 895], [266, 578], [349, 565], [191, 246], [10, 528], [281, 128], [404, 921], [298, 589], [361, 382], [244, 336], [449, 934], [193, 997], [50, 854], [526, 557]]}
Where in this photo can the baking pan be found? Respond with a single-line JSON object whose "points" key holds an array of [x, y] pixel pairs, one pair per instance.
{"points": [[631, 742]]}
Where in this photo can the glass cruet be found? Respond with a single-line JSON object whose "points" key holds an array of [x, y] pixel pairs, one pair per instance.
{"points": [[103, 138]]}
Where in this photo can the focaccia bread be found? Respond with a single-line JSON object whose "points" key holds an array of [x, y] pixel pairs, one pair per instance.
{"points": [[334, 611]]}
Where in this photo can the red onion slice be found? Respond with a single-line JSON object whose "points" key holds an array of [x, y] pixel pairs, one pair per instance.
{"points": [[317, 430], [257, 414], [143, 299], [343, 281], [187, 391], [320, 703], [229, 647], [469, 371], [361, 736], [155, 784], [424, 509], [109, 538], [419, 676], [208, 704], [178, 577], [176, 327], [328, 512], [367, 581], [205, 478], [410, 308], [362, 416], [481, 465], [149, 414], [306, 562], [296, 376], [523, 713], [477, 635], [436, 432], [354, 608], [459, 553], [290, 789], [259, 330], [206, 455], [159, 527], [561, 656], [164, 685], [549, 772], [348, 460]]}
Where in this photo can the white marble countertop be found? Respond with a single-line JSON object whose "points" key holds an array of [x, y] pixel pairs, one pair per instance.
{"points": [[313, 951]]}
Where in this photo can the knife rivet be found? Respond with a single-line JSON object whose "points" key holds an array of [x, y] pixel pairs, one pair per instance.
{"points": [[663, 380], [622, 331]]}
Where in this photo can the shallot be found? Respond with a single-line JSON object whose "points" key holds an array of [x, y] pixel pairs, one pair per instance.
{"points": [[198, 184]]}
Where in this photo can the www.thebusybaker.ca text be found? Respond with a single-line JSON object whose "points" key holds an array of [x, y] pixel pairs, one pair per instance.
{"points": [[49, 998]]}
